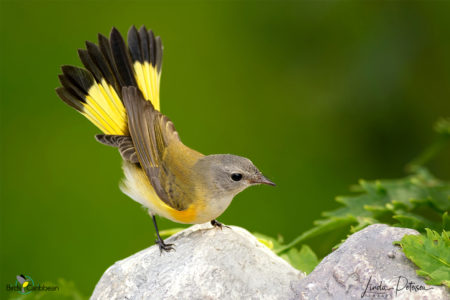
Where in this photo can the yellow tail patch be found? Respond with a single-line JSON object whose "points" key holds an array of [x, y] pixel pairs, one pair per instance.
{"points": [[96, 91], [148, 80], [104, 108]]}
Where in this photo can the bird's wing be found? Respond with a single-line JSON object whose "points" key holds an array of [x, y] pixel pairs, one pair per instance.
{"points": [[123, 142], [154, 137]]}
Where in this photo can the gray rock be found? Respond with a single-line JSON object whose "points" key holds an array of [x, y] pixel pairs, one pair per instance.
{"points": [[368, 255], [208, 263]]}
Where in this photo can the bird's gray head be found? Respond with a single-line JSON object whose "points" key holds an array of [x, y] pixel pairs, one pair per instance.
{"points": [[227, 175]]}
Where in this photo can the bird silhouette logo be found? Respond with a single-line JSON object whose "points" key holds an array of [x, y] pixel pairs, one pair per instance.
{"points": [[24, 281]]}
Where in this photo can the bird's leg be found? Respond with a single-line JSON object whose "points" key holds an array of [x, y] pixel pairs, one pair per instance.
{"points": [[159, 240], [217, 224]]}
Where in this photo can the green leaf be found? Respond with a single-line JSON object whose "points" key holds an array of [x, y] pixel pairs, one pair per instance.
{"points": [[446, 221], [431, 253], [418, 222], [305, 260], [417, 201], [322, 227]]}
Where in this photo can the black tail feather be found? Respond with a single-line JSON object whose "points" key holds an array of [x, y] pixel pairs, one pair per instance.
{"points": [[122, 59]]}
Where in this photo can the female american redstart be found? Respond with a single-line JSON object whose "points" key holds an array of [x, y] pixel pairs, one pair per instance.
{"points": [[119, 92]]}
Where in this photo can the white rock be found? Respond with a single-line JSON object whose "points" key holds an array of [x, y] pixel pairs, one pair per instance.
{"points": [[208, 263]]}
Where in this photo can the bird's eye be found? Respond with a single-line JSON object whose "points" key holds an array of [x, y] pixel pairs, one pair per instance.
{"points": [[236, 176]]}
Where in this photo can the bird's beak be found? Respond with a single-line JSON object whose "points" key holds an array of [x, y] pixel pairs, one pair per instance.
{"points": [[261, 179]]}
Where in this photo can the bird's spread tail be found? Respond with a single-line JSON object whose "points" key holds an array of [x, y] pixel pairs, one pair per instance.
{"points": [[96, 91]]}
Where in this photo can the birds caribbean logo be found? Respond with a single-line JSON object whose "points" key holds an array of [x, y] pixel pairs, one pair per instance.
{"points": [[118, 91], [24, 281]]}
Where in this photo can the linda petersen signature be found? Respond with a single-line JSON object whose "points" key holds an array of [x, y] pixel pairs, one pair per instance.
{"points": [[375, 289]]}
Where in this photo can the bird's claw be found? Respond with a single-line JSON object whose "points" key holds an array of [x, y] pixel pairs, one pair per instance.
{"points": [[164, 247], [217, 224]]}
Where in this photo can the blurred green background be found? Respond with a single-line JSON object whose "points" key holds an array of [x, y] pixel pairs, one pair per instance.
{"points": [[317, 94]]}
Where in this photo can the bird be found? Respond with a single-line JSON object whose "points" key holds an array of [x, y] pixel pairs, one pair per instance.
{"points": [[118, 91]]}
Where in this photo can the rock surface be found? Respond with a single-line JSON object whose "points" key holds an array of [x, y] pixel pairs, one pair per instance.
{"points": [[208, 263], [368, 255]]}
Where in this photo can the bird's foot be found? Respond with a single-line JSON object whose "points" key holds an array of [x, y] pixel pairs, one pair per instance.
{"points": [[163, 246], [217, 224]]}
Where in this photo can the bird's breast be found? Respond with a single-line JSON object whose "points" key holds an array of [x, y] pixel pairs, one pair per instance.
{"points": [[210, 208]]}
